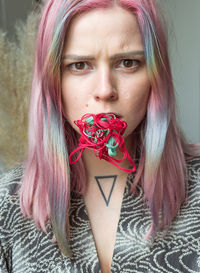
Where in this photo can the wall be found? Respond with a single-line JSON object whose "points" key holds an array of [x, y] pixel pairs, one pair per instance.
{"points": [[183, 17], [12, 11]]}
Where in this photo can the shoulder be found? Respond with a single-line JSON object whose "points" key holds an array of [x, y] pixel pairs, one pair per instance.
{"points": [[193, 169], [9, 185], [22, 245], [193, 182], [194, 163], [9, 200], [10, 181]]}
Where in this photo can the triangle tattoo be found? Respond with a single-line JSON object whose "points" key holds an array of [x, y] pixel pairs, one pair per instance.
{"points": [[99, 180]]}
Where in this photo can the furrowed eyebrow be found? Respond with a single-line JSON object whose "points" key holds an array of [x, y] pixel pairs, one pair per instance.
{"points": [[92, 58], [78, 57], [127, 55]]}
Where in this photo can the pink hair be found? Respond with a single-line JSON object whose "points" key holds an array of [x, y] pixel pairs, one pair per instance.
{"points": [[48, 178]]}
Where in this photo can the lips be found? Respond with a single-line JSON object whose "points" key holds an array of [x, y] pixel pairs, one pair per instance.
{"points": [[115, 114]]}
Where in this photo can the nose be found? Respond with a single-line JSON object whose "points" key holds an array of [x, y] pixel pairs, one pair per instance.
{"points": [[105, 87]]}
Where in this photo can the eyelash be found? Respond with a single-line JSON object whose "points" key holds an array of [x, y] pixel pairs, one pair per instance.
{"points": [[72, 67], [129, 60]]}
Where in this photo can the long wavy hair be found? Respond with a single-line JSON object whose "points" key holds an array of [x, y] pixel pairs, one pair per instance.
{"points": [[48, 178]]}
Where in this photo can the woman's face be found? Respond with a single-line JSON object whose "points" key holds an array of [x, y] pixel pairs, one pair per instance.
{"points": [[103, 68]]}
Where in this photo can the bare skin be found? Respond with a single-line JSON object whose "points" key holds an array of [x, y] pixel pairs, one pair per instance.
{"points": [[104, 71], [104, 219]]}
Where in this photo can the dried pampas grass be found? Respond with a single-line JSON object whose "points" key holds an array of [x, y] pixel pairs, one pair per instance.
{"points": [[16, 67]]}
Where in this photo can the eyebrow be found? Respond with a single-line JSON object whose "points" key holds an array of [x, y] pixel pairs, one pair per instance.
{"points": [[128, 54], [91, 58]]}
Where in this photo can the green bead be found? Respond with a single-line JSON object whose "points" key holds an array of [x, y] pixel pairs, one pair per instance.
{"points": [[112, 148], [90, 120], [112, 152]]}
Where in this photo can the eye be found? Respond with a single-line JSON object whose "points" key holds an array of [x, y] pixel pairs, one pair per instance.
{"points": [[128, 63], [79, 66]]}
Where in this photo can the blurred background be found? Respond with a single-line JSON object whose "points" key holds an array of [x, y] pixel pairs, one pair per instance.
{"points": [[13, 11], [184, 44]]}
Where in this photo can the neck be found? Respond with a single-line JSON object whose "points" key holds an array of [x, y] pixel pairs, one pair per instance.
{"points": [[100, 167]]}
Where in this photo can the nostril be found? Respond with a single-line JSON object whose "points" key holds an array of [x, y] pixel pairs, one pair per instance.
{"points": [[97, 98], [114, 95], [106, 94]]}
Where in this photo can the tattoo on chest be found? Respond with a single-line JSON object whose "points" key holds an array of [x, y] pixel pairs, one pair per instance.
{"points": [[101, 180]]}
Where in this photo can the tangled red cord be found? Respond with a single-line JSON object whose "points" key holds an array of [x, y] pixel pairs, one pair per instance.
{"points": [[103, 133]]}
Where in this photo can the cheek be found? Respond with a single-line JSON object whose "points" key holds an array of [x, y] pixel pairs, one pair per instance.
{"points": [[136, 92], [70, 91], [69, 98], [74, 99], [141, 100], [141, 97], [136, 102]]}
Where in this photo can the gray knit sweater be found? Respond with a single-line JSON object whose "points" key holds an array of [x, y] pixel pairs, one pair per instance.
{"points": [[25, 249]]}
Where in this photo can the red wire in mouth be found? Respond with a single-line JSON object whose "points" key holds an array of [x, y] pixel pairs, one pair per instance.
{"points": [[102, 133]]}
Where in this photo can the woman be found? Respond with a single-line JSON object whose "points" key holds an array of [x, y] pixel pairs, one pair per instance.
{"points": [[107, 59]]}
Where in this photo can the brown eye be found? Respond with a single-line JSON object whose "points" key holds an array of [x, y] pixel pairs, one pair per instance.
{"points": [[128, 63], [79, 66]]}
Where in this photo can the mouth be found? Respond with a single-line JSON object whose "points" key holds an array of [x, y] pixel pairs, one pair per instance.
{"points": [[114, 114]]}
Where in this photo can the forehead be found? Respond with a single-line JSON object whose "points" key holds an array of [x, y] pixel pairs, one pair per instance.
{"points": [[111, 28]]}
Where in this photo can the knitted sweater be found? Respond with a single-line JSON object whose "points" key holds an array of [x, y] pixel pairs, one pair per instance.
{"points": [[25, 249]]}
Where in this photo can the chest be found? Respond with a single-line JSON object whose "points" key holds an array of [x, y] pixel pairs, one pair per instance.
{"points": [[126, 251], [103, 204]]}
